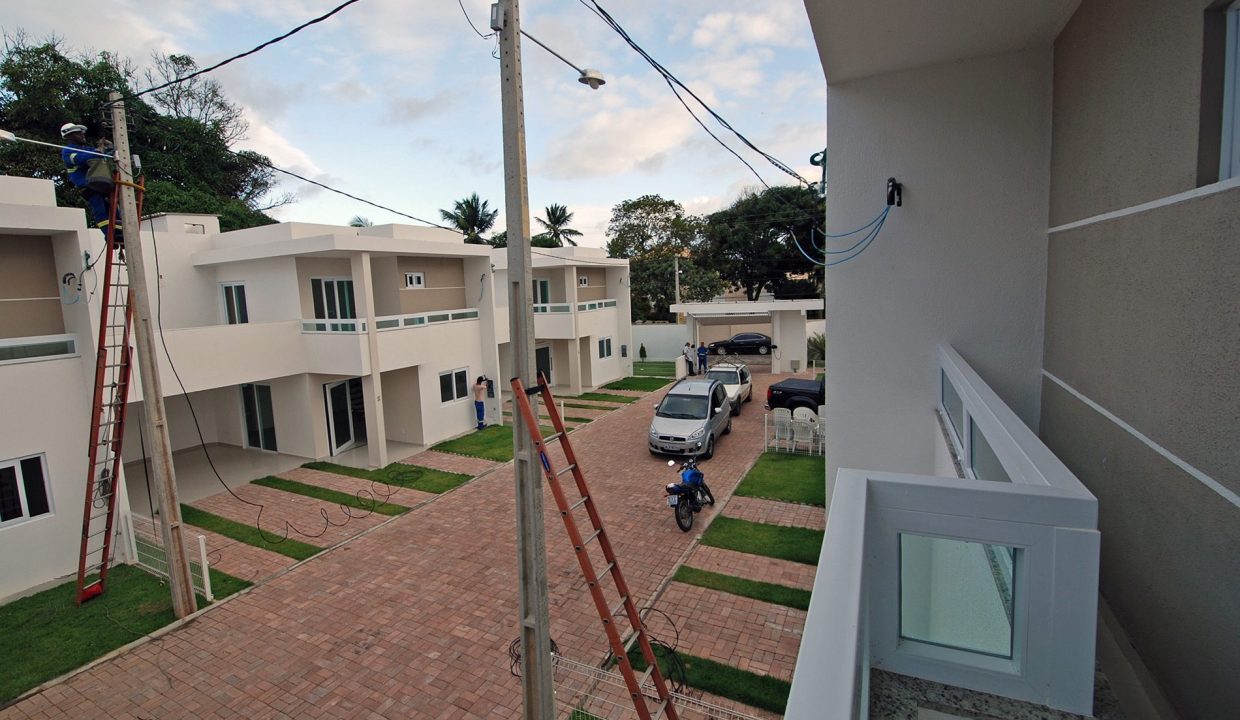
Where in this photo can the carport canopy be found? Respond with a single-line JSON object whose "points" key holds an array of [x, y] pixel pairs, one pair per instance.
{"points": [[787, 318]]}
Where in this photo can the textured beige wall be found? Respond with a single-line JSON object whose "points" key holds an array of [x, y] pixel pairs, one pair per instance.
{"points": [[1127, 99], [445, 284], [29, 291]]}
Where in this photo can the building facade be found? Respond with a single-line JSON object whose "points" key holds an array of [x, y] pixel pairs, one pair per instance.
{"points": [[300, 339], [1069, 233]]}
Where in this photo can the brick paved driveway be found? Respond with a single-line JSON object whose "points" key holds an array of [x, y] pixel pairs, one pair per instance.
{"points": [[414, 618]]}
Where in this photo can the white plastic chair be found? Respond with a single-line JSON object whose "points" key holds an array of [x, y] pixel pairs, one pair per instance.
{"points": [[803, 431], [783, 425]]}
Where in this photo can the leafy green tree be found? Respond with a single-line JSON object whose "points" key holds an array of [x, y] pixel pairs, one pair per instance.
{"points": [[556, 226], [753, 243], [188, 164], [652, 232], [359, 221], [816, 346], [472, 216]]}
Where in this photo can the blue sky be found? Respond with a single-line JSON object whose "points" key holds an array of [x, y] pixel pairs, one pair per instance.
{"points": [[398, 100]]}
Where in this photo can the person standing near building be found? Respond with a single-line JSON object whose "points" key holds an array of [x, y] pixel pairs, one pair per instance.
{"points": [[480, 405], [702, 352], [78, 157], [688, 353]]}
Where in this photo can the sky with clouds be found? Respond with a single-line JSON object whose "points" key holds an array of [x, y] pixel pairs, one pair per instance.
{"points": [[398, 101]]}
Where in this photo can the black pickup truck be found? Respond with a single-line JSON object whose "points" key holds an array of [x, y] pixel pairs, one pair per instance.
{"points": [[796, 392]]}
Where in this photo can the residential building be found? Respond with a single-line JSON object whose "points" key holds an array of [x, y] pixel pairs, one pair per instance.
{"points": [[306, 340], [1055, 307]]}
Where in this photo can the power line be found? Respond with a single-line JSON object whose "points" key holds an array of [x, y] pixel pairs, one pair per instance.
{"points": [[669, 77], [257, 48], [471, 22]]}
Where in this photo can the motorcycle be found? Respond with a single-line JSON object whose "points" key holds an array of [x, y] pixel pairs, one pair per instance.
{"points": [[688, 496]]}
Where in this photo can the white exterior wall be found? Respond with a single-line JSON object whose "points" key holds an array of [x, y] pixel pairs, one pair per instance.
{"points": [[962, 262]]}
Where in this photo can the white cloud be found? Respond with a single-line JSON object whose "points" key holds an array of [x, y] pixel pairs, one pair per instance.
{"points": [[410, 109]]}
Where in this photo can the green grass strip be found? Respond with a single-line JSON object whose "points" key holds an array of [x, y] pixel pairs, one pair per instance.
{"points": [[760, 691], [289, 547], [223, 584], [658, 368], [493, 443], [577, 419], [645, 384], [764, 591], [787, 477], [334, 496], [785, 543], [47, 635], [583, 406], [579, 714], [400, 474], [607, 397]]}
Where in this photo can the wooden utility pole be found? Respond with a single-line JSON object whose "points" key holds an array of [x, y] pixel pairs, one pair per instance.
{"points": [[535, 619], [183, 602]]}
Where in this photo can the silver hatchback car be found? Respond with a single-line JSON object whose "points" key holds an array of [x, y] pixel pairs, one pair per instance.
{"points": [[690, 418]]}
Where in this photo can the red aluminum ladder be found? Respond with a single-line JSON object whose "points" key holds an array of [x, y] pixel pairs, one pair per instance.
{"points": [[113, 366], [608, 613]]}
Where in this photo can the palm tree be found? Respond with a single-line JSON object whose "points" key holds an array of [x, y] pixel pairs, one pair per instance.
{"points": [[556, 225], [359, 221], [472, 217]]}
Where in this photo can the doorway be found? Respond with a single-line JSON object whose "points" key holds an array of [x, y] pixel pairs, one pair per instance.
{"points": [[260, 417], [332, 298], [346, 414], [542, 362]]}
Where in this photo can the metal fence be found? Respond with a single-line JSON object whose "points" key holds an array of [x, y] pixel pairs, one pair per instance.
{"points": [[152, 557]]}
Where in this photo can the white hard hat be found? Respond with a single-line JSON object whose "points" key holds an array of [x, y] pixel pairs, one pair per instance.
{"points": [[70, 128]]}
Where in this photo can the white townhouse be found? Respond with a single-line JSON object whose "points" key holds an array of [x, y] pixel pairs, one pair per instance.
{"points": [[1033, 387], [304, 340]]}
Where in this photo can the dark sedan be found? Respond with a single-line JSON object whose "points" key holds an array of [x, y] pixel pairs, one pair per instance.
{"points": [[743, 343]]}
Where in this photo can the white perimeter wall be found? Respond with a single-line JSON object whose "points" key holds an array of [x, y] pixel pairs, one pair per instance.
{"points": [[962, 262]]}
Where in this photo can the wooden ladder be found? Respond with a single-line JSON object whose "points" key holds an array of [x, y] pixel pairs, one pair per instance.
{"points": [[608, 610]]}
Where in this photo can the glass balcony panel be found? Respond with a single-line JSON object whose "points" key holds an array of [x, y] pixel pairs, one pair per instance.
{"points": [[954, 407], [983, 461], [957, 594]]}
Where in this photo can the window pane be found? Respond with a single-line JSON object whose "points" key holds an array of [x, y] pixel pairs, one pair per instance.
{"points": [[243, 315], [954, 407], [330, 298], [230, 306], [249, 406], [345, 289], [10, 501], [266, 416], [600, 348], [445, 387], [957, 594], [462, 384], [36, 489], [316, 292], [985, 463]]}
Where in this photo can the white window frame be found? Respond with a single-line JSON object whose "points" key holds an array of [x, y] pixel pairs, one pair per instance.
{"points": [[542, 291], [224, 302], [1229, 155], [604, 348], [415, 281], [583, 281], [452, 373], [16, 464]]}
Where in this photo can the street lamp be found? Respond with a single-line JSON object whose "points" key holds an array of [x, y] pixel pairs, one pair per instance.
{"points": [[535, 618]]}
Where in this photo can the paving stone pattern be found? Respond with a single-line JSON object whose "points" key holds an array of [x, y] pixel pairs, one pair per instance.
{"points": [[753, 567], [365, 490], [413, 619], [225, 554], [451, 462], [303, 514], [773, 512]]}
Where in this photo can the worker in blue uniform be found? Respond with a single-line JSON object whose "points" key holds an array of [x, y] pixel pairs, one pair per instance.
{"points": [[77, 156]]}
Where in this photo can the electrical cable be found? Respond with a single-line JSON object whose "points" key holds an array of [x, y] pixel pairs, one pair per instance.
{"points": [[670, 78], [257, 48], [471, 22], [869, 241]]}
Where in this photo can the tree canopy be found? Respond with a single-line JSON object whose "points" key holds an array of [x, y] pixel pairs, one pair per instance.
{"points": [[556, 226], [184, 141], [472, 216]]}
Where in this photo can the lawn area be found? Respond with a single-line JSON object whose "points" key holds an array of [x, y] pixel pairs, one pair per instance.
{"points": [[787, 477], [247, 534], [335, 496], [401, 475], [493, 443], [645, 384], [760, 691], [657, 368], [605, 397], [766, 592], [46, 635], [786, 543]]}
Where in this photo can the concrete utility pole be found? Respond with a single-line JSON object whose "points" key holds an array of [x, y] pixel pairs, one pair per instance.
{"points": [[531, 551], [183, 602]]}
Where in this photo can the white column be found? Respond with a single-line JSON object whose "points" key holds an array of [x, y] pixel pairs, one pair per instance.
{"points": [[372, 383]]}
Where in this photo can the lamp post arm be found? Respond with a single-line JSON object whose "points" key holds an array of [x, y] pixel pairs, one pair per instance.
{"points": [[540, 44]]}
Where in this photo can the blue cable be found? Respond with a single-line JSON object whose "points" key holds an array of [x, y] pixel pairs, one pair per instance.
{"points": [[863, 227], [882, 218], [870, 240]]}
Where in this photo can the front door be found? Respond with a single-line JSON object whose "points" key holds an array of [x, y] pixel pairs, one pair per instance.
{"points": [[346, 414], [260, 418], [542, 361]]}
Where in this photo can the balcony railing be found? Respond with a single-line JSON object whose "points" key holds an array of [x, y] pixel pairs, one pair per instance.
{"points": [[339, 327], [595, 305], [396, 322], [552, 308], [39, 347], [987, 582]]}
